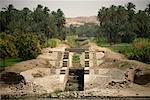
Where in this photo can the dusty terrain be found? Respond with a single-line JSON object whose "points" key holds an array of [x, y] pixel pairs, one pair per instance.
{"points": [[112, 62]]}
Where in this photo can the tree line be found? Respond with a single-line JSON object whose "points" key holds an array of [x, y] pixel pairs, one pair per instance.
{"points": [[124, 23], [43, 20], [117, 24], [24, 32]]}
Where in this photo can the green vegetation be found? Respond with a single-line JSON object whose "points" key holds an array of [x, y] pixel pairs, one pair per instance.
{"points": [[76, 61], [73, 41], [141, 43], [52, 42], [9, 61], [138, 50], [86, 30], [28, 46], [141, 50], [121, 48], [125, 31], [40, 20], [101, 41], [23, 33], [123, 23], [7, 47], [70, 40], [76, 58]]}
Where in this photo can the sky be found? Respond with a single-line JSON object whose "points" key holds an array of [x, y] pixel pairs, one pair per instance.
{"points": [[73, 8]]}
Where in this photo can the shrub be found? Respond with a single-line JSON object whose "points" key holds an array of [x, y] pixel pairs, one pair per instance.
{"points": [[141, 43], [76, 57], [122, 48], [101, 41], [70, 40], [7, 47], [142, 54], [52, 43], [141, 50], [28, 46], [41, 38]]}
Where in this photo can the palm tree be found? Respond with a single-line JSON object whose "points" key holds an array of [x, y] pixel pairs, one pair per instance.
{"points": [[147, 10], [130, 6]]}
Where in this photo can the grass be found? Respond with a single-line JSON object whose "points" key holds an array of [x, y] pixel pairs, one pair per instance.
{"points": [[70, 40], [101, 41], [10, 61], [76, 57], [52, 42], [121, 47]]}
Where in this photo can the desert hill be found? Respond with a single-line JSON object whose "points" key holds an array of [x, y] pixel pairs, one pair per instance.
{"points": [[81, 20]]}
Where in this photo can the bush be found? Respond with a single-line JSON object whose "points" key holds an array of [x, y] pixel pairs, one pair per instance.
{"points": [[70, 40], [41, 38], [76, 57], [7, 47], [52, 43], [141, 43], [142, 54], [139, 50], [28, 46], [101, 41], [122, 48]]}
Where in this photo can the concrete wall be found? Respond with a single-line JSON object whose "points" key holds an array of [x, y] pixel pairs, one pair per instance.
{"points": [[99, 78], [82, 59]]}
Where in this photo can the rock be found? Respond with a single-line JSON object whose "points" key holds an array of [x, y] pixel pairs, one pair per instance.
{"points": [[142, 76], [75, 95], [117, 85], [12, 78]]}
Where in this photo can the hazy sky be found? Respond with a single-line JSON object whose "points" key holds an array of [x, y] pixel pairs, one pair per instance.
{"points": [[73, 8]]}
